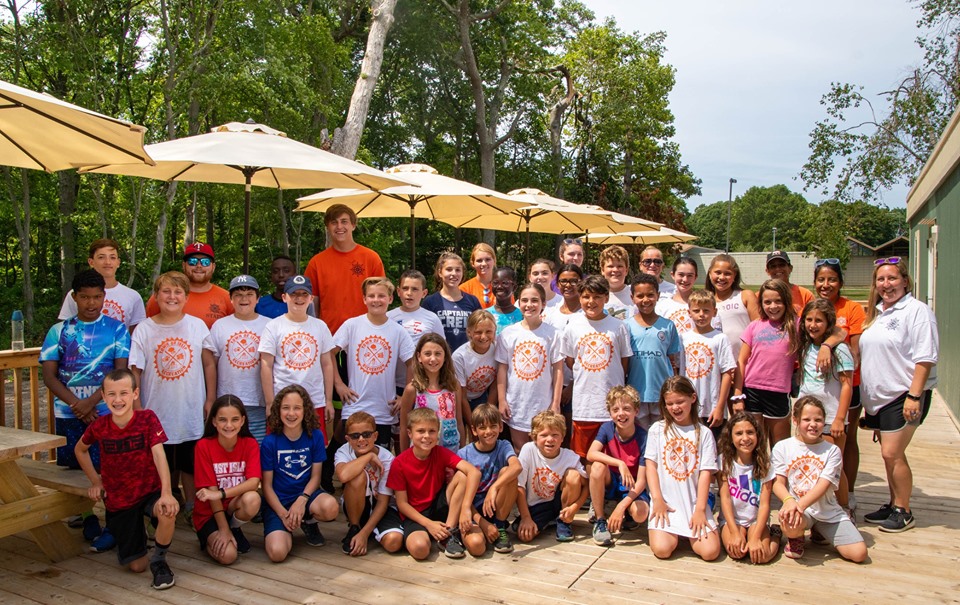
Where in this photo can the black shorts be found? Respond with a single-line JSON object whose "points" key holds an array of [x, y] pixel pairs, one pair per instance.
{"points": [[545, 514], [716, 430], [72, 429], [390, 522], [771, 404], [855, 399], [180, 456], [437, 511], [889, 418], [208, 529], [128, 528]]}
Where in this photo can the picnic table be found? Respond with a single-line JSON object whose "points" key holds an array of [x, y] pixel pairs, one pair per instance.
{"points": [[24, 508]]}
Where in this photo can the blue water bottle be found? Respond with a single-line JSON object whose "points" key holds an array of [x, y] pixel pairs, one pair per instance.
{"points": [[16, 330]]}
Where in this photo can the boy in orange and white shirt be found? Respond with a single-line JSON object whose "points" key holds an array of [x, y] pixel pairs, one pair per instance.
{"points": [[708, 360]]}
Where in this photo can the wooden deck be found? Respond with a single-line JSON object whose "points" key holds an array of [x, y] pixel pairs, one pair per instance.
{"points": [[919, 566]]}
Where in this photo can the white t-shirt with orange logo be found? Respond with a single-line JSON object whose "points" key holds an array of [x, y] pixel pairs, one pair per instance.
{"points": [[706, 357], [529, 356], [297, 348], [680, 458], [677, 312], [541, 476], [803, 466], [172, 382], [475, 372], [597, 349], [236, 345], [373, 353], [119, 302]]}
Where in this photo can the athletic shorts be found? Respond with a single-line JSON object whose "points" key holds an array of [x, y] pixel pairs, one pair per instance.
{"points": [[436, 511], [272, 521], [841, 533], [180, 456], [129, 530], [855, 399], [72, 429], [257, 421], [617, 491], [582, 436], [771, 404], [545, 514], [889, 418], [389, 523], [208, 529]]}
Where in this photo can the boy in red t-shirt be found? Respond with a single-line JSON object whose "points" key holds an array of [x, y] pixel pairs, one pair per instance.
{"points": [[135, 478], [428, 505]]}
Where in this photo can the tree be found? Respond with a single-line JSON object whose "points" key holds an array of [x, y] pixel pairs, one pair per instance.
{"points": [[759, 210], [709, 223], [858, 150]]}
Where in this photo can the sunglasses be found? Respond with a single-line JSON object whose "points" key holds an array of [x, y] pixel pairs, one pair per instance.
{"points": [[575, 240], [835, 262], [568, 282], [651, 262], [193, 261], [893, 260], [363, 435]]}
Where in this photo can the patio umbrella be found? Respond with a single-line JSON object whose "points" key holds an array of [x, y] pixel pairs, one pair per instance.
{"points": [[251, 154], [547, 214], [664, 235], [433, 196], [44, 133]]}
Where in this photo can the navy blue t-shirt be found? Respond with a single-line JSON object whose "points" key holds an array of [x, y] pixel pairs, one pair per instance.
{"points": [[453, 316]]}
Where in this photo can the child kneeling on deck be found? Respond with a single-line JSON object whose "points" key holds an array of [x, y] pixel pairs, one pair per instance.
{"points": [[135, 479], [428, 505]]}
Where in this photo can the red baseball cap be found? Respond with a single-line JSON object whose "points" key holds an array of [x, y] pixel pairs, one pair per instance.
{"points": [[198, 248]]}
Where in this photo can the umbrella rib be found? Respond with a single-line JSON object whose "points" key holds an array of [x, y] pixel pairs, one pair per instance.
{"points": [[487, 204], [25, 152], [144, 158]]}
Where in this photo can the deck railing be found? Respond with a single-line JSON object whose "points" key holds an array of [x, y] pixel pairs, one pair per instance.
{"points": [[13, 366]]}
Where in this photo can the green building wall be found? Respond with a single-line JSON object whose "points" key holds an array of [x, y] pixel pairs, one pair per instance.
{"points": [[943, 210]]}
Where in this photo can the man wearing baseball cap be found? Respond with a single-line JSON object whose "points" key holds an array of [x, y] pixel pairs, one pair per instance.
{"points": [[779, 267], [206, 300]]}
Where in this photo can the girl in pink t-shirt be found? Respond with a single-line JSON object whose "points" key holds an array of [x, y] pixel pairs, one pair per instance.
{"points": [[767, 359]]}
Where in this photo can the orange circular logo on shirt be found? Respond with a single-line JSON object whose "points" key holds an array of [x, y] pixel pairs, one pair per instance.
{"points": [[681, 319], [480, 379], [699, 360], [680, 458], [529, 360], [544, 482], [299, 350], [373, 355], [803, 473], [112, 308], [172, 358], [595, 352], [241, 349]]}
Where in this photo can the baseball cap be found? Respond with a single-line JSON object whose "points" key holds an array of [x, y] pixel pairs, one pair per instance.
{"points": [[778, 254], [297, 282], [244, 281], [198, 248]]}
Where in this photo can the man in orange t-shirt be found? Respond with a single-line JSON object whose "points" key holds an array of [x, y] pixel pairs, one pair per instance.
{"points": [[207, 301], [779, 267]]}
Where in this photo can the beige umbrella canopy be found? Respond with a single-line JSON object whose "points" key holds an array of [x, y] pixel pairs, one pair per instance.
{"points": [[664, 235], [44, 133], [252, 154], [432, 196]]}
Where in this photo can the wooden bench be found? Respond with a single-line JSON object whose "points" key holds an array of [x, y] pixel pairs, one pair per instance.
{"points": [[60, 478]]}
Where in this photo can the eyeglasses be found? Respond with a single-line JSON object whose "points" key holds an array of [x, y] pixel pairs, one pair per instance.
{"points": [[893, 260], [363, 435], [568, 282], [575, 240], [193, 261], [826, 261], [651, 262]]}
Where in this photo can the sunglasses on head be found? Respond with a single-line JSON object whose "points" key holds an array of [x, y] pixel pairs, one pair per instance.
{"points": [[834, 262], [575, 240], [204, 261], [363, 435], [892, 260]]}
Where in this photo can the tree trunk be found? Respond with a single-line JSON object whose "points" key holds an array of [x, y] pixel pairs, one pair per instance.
{"points": [[21, 220], [346, 140], [556, 115], [68, 182], [137, 186]]}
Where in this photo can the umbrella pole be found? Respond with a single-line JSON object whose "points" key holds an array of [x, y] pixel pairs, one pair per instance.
{"points": [[526, 249], [246, 221], [413, 239]]}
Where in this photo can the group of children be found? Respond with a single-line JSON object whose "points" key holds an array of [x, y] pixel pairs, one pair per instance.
{"points": [[245, 409]]}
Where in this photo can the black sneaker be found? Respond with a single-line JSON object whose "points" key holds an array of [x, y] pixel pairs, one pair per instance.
{"points": [[454, 548], [352, 531], [502, 544], [899, 520], [243, 545], [312, 532], [880, 515], [162, 576]]}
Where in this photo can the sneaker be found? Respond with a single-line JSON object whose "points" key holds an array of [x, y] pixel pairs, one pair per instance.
{"points": [[900, 520], [776, 534], [91, 528], [257, 518], [352, 531], [852, 501], [881, 514], [817, 538], [601, 534], [591, 514], [629, 524], [162, 576], [503, 544], [312, 532], [564, 531], [75, 522], [243, 545], [104, 542], [794, 548], [454, 548]]}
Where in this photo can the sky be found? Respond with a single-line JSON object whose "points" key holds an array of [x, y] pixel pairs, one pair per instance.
{"points": [[750, 75]]}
